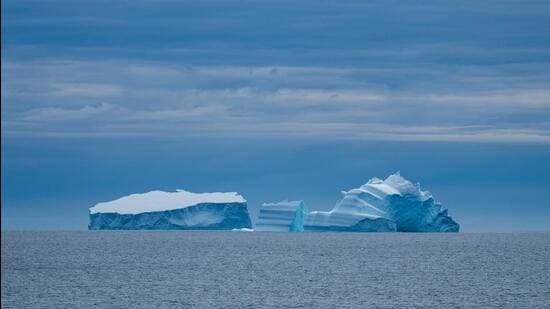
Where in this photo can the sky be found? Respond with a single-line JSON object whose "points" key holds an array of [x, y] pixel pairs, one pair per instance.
{"points": [[275, 100]]}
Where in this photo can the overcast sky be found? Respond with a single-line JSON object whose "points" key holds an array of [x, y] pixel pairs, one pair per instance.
{"points": [[275, 100]]}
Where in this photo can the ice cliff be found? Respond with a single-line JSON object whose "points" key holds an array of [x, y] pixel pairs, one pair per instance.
{"points": [[288, 216], [180, 210]]}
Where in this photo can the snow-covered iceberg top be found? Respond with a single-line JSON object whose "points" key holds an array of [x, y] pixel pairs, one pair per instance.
{"points": [[394, 184], [162, 201], [283, 204]]}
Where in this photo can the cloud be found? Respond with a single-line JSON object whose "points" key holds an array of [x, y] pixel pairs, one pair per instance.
{"points": [[49, 114], [65, 98], [87, 90]]}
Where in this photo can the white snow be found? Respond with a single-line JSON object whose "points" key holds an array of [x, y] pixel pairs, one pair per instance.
{"points": [[161, 201], [379, 188], [286, 204], [406, 187]]}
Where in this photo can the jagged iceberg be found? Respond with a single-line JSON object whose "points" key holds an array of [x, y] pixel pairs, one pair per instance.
{"points": [[391, 205], [180, 210], [287, 216]]}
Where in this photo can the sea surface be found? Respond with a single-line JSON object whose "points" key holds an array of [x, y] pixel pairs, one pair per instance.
{"points": [[215, 269]]}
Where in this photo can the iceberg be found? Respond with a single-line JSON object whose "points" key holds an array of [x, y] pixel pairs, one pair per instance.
{"points": [[391, 205], [180, 210], [287, 216]]}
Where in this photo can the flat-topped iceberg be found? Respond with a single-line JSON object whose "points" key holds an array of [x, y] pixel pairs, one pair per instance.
{"points": [[180, 210], [393, 204]]}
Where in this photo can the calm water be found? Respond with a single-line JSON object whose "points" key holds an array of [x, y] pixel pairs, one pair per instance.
{"points": [[249, 270]]}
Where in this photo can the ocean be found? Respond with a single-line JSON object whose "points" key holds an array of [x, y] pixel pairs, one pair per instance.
{"points": [[219, 269]]}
